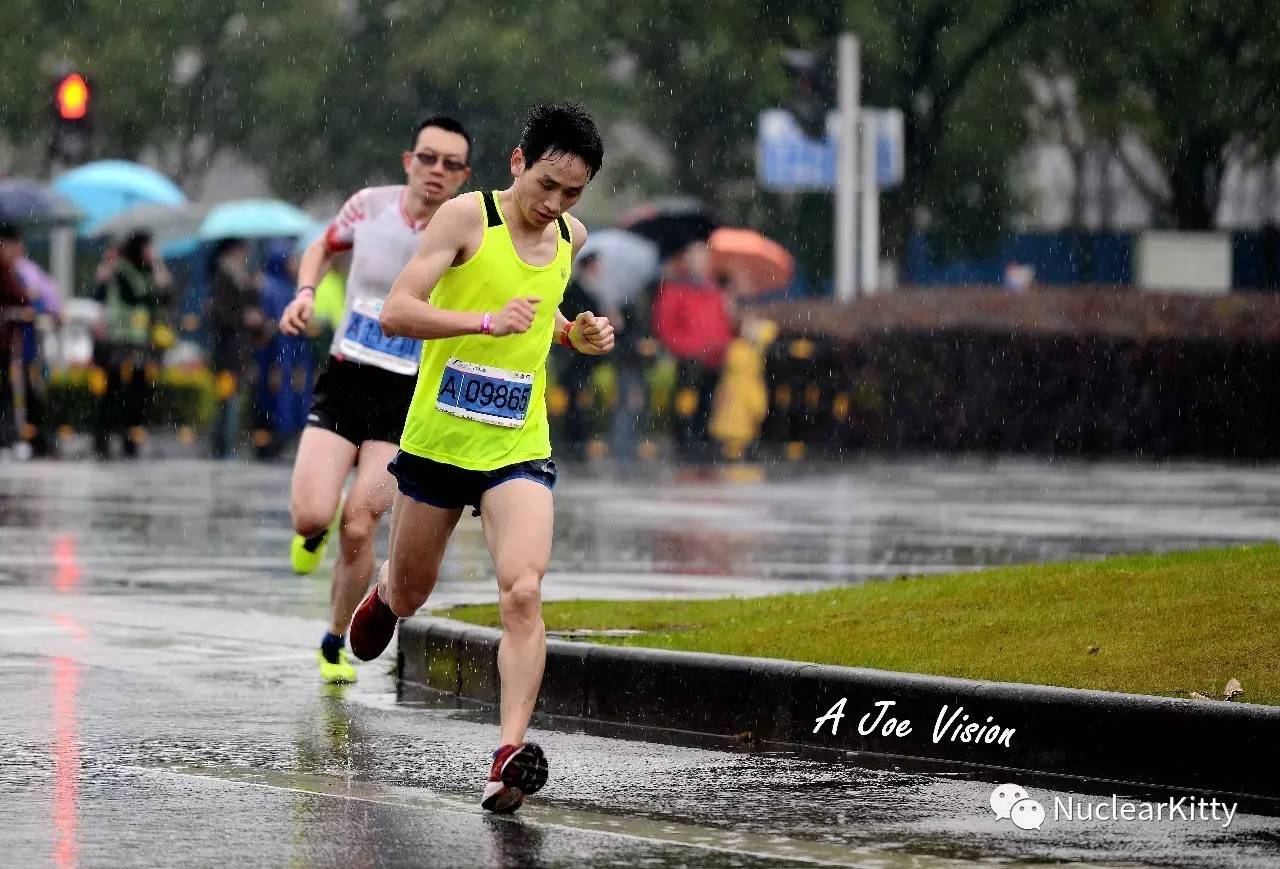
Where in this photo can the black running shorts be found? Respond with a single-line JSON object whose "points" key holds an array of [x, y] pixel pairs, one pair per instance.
{"points": [[361, 402], [452, 488]]}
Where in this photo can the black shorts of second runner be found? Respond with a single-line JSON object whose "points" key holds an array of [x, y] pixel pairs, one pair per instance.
{"points": [[361, 402], [452, 488]]}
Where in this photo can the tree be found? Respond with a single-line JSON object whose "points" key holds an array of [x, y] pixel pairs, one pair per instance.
{"points": [[699, 85], [1195, 81], [955, 68], [323, 94]]}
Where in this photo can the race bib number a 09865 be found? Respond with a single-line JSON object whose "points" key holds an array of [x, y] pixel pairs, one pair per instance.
{"points": [[484, 393]]}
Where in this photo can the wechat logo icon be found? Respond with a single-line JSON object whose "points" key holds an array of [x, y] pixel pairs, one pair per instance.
{"points": [[1011, 803]]}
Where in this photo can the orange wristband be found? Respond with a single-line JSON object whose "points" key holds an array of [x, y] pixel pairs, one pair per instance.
{"points": [[564, 336]]}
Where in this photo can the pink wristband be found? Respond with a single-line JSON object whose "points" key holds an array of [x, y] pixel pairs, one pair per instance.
{"points": [[486, 324], [311, 291]]}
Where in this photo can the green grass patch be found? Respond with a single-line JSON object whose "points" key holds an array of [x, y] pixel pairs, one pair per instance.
{"points": [[1162, 624]]}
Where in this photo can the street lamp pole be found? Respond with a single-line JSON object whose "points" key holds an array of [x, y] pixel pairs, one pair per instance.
{"points": [[847, 166]]}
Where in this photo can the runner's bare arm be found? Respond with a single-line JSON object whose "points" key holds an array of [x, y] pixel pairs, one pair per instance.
{"points": [[578, 232], [590, 334], [315, 264], [451, 237], [316, 261]]}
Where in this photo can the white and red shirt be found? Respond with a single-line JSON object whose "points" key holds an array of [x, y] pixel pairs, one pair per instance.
{"points": [[382, 238]]}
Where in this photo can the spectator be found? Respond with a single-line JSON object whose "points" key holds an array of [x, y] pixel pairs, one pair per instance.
{"points": [[285, 365], [633, 353], [1018, 277], [693, 321], [15, 310], [46, 301], [134, 288], [235, 323], [741, 400], [574, 369]]}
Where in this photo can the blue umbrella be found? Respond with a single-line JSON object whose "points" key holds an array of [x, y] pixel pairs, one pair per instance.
{"points": [[255, 218], [108, 187], [25, 201]]}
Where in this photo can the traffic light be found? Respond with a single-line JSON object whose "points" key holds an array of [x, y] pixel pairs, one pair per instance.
{"points": [[72, 97], [72, 118], [812, 74]]}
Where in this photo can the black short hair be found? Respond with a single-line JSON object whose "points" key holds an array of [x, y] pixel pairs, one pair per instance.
{"points": [[10, 231], [134, 247], [220, 249], [561, 128], [446, 123]]}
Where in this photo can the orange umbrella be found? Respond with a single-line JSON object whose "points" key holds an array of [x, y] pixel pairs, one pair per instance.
{"points": [[751, 259]]}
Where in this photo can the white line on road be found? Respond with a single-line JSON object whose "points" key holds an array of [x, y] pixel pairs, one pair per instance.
{"points": [[547, 816]]}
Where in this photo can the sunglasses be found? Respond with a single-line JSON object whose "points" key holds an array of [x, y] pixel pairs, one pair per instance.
{"points": [[429, 159]]}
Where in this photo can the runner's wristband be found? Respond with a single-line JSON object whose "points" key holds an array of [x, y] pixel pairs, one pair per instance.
{"points": [[564, 336], [486, 324], [307, 289]]}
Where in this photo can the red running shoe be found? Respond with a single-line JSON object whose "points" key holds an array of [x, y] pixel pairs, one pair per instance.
{"points": [[372, 626], [517, 771]]}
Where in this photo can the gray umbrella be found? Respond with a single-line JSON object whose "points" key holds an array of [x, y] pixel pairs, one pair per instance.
{"points": [[27, 201], [164, 222], [627, 263]]}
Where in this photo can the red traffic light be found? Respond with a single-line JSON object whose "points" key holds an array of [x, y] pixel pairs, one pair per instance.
{"points": [[72, 97]]}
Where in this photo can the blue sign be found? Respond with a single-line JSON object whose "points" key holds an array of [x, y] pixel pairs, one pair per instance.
{"points": [[789, 161]]}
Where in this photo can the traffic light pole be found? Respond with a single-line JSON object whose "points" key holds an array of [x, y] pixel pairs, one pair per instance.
{"points": [[62, 258], [847, 160]]}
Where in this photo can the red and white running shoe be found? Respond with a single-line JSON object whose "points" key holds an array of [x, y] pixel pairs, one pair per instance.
{"points": [[517, 771]]}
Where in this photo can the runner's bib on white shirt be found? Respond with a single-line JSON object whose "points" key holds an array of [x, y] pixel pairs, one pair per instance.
{"points": [[362, 339], [382, 239]]}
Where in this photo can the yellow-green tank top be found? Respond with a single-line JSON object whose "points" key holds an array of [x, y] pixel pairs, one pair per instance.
{"points": [[450, 419]]}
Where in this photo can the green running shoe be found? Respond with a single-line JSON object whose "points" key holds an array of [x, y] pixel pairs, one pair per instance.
{"points": [[339, 672], [306, 560], [306, 554]]}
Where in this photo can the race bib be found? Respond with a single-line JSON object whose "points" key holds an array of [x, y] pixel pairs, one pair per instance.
{"points": [[486, 394], [363, 341]]}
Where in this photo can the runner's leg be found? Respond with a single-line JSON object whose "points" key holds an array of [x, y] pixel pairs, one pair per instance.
{"points": [[419, 534], [369, 498], [518, 521], [319, 470]]}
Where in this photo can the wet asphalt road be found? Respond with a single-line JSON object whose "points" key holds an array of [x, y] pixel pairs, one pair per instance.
{"points": [[163, 709]]}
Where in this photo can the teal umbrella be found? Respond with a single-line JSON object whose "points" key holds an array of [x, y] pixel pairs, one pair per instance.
{"points": [[255, 218], [107, 187]]}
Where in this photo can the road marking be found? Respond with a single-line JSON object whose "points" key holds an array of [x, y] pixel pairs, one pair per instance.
{"points": [[575, 820]]}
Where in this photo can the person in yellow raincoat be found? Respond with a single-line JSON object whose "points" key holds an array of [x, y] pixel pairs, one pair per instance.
{"points": [[741, 400]]}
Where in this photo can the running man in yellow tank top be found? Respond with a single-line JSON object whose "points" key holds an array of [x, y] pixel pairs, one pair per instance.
{"points": [[483, 295]]}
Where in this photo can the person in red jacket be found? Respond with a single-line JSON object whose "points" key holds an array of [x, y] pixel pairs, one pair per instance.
{"points": [[693, 320]]}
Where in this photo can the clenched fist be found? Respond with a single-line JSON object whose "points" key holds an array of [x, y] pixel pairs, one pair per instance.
{"points": [[591, 335], [515, 317], [297, 315]]}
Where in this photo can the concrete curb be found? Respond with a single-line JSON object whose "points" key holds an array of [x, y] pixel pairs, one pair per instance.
{"points": [[1198, 746]]}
